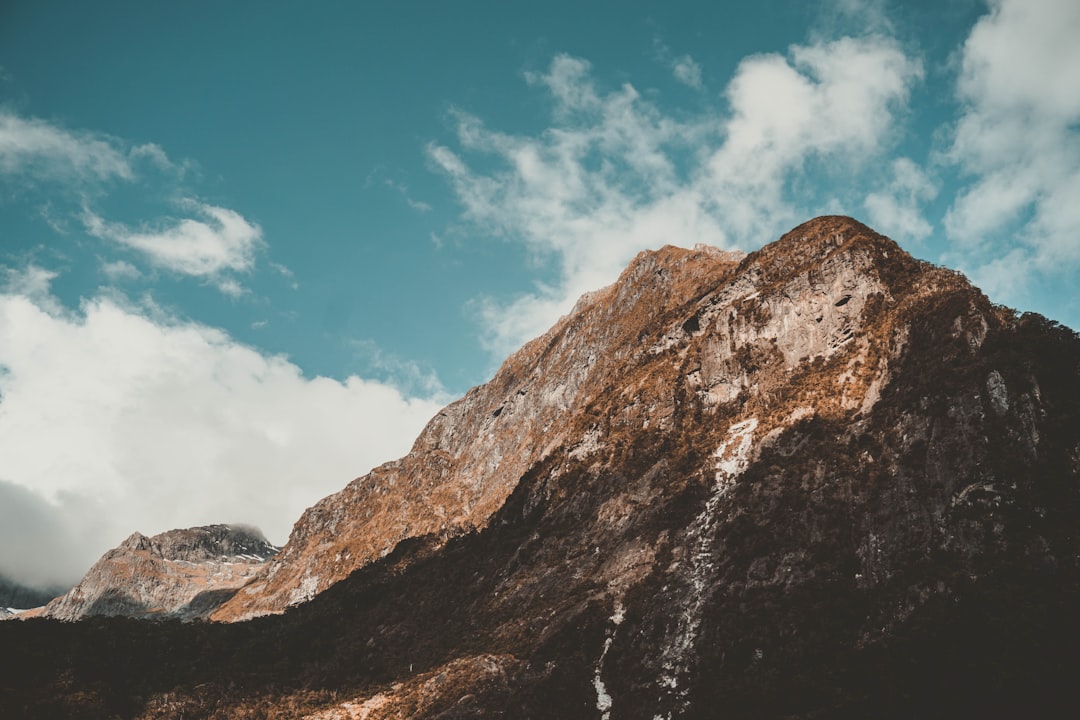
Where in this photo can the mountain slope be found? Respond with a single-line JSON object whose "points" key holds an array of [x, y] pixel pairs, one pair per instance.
{"points": [[179, 573], [821, 480], [469, 458]]}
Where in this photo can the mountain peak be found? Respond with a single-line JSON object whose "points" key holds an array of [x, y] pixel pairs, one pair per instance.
{"points": [[728, 332], [181, 573]]}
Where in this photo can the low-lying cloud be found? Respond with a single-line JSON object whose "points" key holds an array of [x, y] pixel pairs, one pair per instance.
{"points": [[117, 417]]}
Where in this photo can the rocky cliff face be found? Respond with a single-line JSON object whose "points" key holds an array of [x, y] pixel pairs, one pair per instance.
{"points": [[179, 573], [820, 480]]}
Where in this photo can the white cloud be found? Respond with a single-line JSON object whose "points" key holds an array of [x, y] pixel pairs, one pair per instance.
{"points": [[221, 240], [687, 71], [215, 241], [418, 205], [34, 148], [120, 418], [614, 175], [1018, 140], [831, 101], [401, 373], [154, 153], [895, 210], [120, 270]]}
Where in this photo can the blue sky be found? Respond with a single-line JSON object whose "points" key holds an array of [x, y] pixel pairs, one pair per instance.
{"points": [[247, 249]]}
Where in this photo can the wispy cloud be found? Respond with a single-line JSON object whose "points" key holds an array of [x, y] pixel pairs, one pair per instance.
{"points": [[408, 375], [683, 68], [870, 15], [121, 417], [86, 166], [613, 174], [687, 71], [219, 240], [31, 147], [120, 270], [403, 190]]}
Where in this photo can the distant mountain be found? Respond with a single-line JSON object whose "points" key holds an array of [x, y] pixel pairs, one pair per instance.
{"points": [[17, 595], [821, 480], [179, 573]]}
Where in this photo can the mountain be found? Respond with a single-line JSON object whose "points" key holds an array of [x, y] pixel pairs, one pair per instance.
{"points": [[820, 480], [471, 456], [179, 573]]}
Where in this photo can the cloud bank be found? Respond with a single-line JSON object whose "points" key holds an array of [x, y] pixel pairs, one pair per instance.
{"points": [[118, 418]]}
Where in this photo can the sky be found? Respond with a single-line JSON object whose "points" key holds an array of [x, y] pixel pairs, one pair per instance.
{"points": [[248, 249]]}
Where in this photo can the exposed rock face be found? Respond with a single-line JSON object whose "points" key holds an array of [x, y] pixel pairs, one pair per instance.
{"points": [[820, 480], [179, 573]]}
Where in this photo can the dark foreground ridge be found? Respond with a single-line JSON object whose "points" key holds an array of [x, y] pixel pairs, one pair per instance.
{"points": [[824, 480]]}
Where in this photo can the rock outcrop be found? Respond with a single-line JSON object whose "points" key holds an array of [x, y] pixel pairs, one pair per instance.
{"points": [[179, 573], [820, 480]]}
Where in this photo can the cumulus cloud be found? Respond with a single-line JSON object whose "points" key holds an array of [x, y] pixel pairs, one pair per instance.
{"points": [[833, 101], [1017, 139], [613, 174], [116, 418], [215, 241]]}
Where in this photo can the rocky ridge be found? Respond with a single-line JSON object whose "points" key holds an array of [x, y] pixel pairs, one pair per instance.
{"points": [[179, 573]]}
